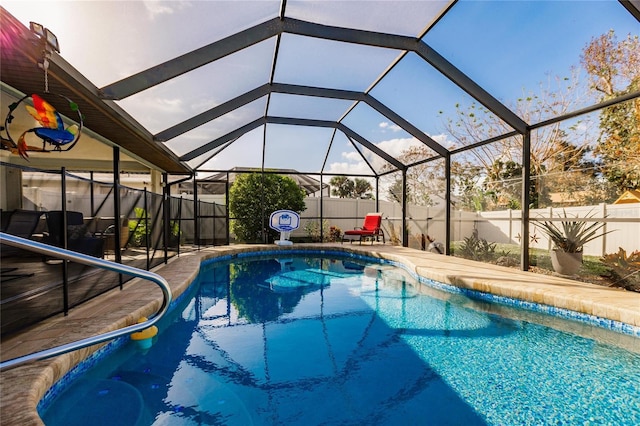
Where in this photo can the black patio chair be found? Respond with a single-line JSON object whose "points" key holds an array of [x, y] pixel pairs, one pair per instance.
{"points": [[78, 237], [6, 216], [21, 223]]}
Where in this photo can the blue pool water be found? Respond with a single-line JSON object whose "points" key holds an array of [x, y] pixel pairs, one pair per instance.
{"points": [[318, 341]]}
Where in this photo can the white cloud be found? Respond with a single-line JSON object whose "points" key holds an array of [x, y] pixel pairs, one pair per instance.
{"points": [[395, 147], [202, 105], [352, 156], [168, 105], [152, 111], [155, 8], [393, 127], [158, 7], [154, 107], [349, 168], [443, 139]]}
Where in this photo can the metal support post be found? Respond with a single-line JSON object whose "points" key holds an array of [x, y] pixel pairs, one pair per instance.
{"points": [[65, 242], [526, 199], [321, 212], [91, 195], [117, 210], [166, 213], [447, 202], [377, 194], [196, 213], [226, 201], [147, 243], [405, 230]]}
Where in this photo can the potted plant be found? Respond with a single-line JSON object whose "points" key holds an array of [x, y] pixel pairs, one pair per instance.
{"points": [[568, 241]]}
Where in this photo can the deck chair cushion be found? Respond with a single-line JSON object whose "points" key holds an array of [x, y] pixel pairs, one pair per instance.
{"points": [[78, 237], [370, 227], [75, 232], [372, 222]]}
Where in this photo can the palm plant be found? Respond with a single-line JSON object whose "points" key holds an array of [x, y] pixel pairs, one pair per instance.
{"points": [[572, 235]]}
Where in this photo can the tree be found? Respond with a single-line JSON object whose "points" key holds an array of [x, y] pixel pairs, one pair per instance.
{"points": [[619, 144], [612, 65], [505, 179], [343, 187], [473, 195], [252, 199], [571, 172], [614, 70], [362, 189], [394, 191], [553, 148], [425, 182]]}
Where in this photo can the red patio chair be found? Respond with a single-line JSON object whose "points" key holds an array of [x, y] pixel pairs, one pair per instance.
{"points": [[370, 229]]}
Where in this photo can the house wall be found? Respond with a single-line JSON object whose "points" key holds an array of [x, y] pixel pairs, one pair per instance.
{"points": [[11, 184]]}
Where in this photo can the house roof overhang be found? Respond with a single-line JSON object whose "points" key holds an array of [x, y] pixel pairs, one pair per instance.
{"points": [[20, 55]]}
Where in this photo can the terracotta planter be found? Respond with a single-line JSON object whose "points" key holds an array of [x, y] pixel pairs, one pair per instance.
{"points": [[110, 239], [566, 263]]}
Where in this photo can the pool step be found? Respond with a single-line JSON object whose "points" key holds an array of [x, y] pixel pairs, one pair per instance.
{"points": [[111, 402], [391, 282]]}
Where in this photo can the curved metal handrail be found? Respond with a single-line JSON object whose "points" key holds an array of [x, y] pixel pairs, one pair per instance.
{"points": [[57, 252]]}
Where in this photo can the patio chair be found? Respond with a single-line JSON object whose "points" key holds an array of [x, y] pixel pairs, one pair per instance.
{"points": [[78, 237], [370, 229], [6, 215], [21, 223]]}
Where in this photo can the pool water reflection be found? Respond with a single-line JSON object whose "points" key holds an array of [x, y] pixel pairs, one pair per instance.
{"points": [[347, 341]]}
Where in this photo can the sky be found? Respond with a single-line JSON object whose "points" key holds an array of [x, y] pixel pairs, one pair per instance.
{"points": [[510, 48]]}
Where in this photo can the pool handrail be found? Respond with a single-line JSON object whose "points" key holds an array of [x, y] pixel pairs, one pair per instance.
{"points": [[60, 253]]}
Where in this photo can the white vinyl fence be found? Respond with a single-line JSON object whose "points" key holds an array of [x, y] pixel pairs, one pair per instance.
{"points": [[504, 227], [348, 213], [623, 220], [500, 226]]}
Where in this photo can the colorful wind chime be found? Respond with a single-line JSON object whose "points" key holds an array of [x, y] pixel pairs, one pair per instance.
{"points": [[55, 137]]}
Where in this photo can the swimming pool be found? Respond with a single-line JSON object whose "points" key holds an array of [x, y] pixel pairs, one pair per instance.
{"points": [[350, 341]]}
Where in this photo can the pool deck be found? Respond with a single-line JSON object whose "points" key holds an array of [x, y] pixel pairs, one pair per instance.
{"points": [[22, 388]]}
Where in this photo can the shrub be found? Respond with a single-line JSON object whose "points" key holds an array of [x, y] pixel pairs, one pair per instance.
{"points": [[477, 248], [625, 270], [312, 228], [252, 199], [140, 232], [394, 239], [332, 234], [335, 234], [138, 228], [571, 235]]}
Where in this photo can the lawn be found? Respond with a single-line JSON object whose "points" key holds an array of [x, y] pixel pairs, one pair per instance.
{"points": [[593, 270]]}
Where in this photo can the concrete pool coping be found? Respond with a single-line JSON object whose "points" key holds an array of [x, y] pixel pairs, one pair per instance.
{"points": [[23, 387]]}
